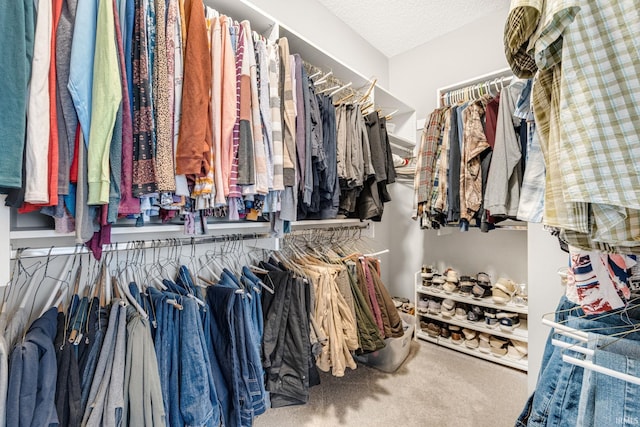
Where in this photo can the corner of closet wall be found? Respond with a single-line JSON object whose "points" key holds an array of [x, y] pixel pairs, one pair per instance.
{"points": [[530, 256]]}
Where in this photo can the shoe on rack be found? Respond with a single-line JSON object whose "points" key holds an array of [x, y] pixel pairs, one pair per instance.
{"points": [[483, 342], [475, 314], [469, 334], [452, 275], [423, 305], [444, 331], [434, 306], [461, 311], [490, 319], [508, 321], [437, 282], [498, 345], [517, 350], [449, 287], [466, 285], [480, 290], [456, 334], [433, 329], [503, 290], [483, 277], [427, 271], [448, 308], [472, 343]]}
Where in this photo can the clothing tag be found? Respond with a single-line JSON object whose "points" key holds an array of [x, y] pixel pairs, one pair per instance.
{"points": [[252, 215]]}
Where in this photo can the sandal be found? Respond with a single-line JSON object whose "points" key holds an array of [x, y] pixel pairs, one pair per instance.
{"points": [[503, 291]]}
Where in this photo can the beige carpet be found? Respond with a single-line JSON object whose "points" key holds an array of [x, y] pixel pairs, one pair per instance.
{"points": [[435, 387]]}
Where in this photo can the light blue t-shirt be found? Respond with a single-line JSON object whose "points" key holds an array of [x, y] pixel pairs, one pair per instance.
{"points": [[81, 67]]}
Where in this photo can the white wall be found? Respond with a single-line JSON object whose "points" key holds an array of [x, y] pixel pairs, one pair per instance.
{"points": [[545, 289], [313, 21], [415, 76], [470, 51], [533, 256]]}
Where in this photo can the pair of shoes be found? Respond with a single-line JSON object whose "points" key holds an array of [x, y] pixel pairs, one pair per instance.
{"points": [[475, 314], [461, 311], [470, 338], [433, 329], [423, 305], [508, 321], [517, 350], [451, 275], [490, 317], [444, 331], [448, 308], [437, 282], [449, 287], [483, 344], [451, 281], [433, 306], [480, 290], [498, 345], [483, 277], [427, 271], [503, 290], [456, 334], [466, 285]]}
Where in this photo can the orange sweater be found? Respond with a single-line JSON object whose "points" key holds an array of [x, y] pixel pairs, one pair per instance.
{"points": [[194, 139]]}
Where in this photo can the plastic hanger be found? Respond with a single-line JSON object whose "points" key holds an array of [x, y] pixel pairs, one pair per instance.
{"points": [[341, 88], [323, 79]]}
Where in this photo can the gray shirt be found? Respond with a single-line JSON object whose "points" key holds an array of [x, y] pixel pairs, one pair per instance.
{"points": [[502, 194]]}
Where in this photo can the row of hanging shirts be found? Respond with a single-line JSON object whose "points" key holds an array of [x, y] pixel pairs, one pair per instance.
{"points": [[169, 108], [478, 162]]}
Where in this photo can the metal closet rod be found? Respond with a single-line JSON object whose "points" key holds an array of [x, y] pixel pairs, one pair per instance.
{"points": [[133, 245]]}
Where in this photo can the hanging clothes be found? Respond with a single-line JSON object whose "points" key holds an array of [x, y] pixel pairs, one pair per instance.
{"points": [[32, 375], [17, 30]]}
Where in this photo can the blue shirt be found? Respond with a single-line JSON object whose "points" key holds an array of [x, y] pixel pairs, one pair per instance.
{"points": [[81, 67]]}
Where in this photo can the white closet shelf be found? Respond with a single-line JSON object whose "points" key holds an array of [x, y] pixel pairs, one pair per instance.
{"points": [[520, 333], [258, 233], [401, 141], [518, 364], [484, 302]]}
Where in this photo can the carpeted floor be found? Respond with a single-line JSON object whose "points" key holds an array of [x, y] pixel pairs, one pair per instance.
{"points": [[435, 387]]}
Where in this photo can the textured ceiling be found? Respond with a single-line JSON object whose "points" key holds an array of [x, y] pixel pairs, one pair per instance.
{"points": [[396, 26]]}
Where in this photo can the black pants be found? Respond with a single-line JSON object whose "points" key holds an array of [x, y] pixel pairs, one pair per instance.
{"points": [[286, 345]]}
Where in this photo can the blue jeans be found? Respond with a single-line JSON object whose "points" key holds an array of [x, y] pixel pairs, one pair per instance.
{"points": [[556, 401], [537, 408], [221, 299], [606, 400], [198, 399], [166, 346]]}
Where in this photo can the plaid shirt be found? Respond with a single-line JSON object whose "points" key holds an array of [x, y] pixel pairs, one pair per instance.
{"points": [[521, 23], [586, 107], [423, 180]]}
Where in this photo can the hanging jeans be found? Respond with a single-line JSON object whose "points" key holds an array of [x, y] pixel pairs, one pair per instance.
{"points": [[183, 362], [556, 399], [221, 299], [606, 400]]}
